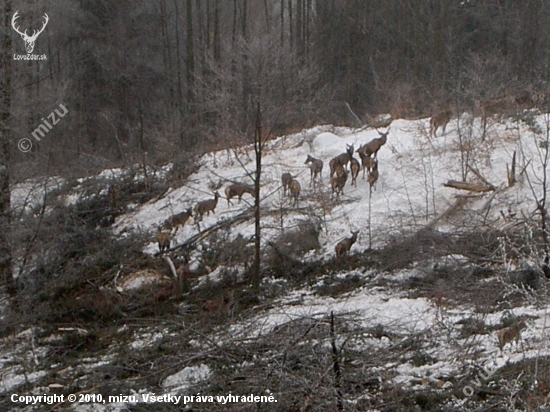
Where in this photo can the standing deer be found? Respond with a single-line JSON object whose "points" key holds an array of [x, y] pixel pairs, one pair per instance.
{"points": [[372, 147], [219, 305], [373, 176], [341, 159], [295, 188], [439, 120], [367, 162], [115, 194], [316, 167], [237, 189], [206, 206], [355, 167], [286, 178], [510, 333], [164, 239], [338, 182], [178, 219], [343, 247]]}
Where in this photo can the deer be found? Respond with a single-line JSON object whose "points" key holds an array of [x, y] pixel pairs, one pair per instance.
{"points": [[341, 159], [164, 239], [183, 271], [343, 247], [372, 147], [354, 167], [500, 106], [524, 99], [237, 189], [295, 188], [206, 206], [286, 178], [315, 167], [179, 219], [219, 305], [373, 176], [338, 182], [510, 333], [440, 120], [115, 194], [367, 162]]}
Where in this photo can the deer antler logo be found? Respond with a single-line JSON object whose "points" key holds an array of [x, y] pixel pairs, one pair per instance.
{"points": [[29, 40]]}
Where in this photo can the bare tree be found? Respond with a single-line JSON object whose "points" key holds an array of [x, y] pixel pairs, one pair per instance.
{"points": [[5, 139]]}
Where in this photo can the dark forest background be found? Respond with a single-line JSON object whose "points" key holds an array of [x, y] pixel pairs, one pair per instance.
{"points": [[163, 79]]}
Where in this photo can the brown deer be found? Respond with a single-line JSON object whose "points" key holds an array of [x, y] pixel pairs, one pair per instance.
{"points": [[524, 99], [343, 247], [373, 176], [372, 147], [115, 194], [164, 239], [367, 162], [439, 120], [237, 189], [219, 305], [341, 159], [510, 333], [286, 178], [206, 206], [183, 271], [178, 219], [315, 167], [295, 188], [500, 106], [354, 167], [338, 182]]}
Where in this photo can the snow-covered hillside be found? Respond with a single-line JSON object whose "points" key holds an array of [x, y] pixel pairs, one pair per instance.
{"points": [[409, 192], [421, 343]]}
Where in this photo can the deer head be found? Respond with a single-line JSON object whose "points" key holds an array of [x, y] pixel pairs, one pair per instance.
{"points": [[29, 40]]}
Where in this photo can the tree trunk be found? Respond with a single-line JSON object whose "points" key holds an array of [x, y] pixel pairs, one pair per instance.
{"points": [[257, 215], [190, 67], [291, 36], [5, 138], [244, 16], [282, 23], [178, 59], [217, 42], [299, 28]]}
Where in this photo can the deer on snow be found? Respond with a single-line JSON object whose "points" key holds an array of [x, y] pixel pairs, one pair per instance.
{"points": [[237, 189], [316, 167], [439, 120], [206, 206], [343, 247], [510, 333], [372, 147], [341, 160]]}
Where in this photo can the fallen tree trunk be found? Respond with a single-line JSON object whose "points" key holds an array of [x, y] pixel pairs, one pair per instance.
{"points": [[472, 187]]}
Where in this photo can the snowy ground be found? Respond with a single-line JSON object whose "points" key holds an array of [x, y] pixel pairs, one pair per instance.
{"points": [[409, 194]]}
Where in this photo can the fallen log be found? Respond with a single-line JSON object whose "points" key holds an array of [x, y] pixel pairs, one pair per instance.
{"points": [[472, 187]]}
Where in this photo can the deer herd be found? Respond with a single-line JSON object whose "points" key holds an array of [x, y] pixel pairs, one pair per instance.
{"points": [[339, 173], [338, 166], [291, 187], [368, 155]]}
